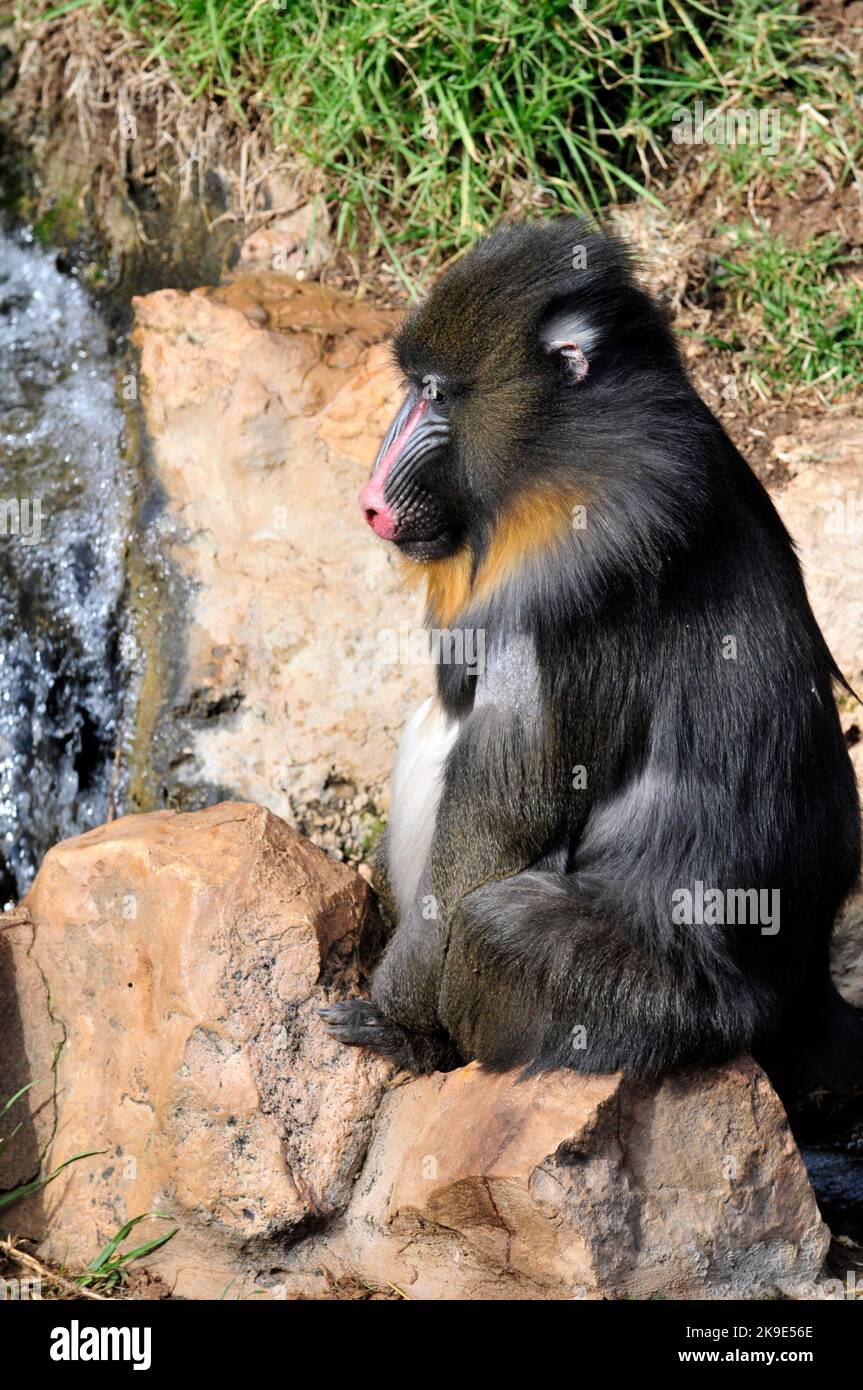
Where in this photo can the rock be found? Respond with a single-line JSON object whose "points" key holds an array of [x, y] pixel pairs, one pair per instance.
{"points": [[822, 506], [176, 962], [479, 1186], [184, 957], [847, 953], [264, 403], [296, 244], [31, 1037]]}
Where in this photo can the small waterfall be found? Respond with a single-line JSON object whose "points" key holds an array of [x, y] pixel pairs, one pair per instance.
{"points": [[65, 507]]}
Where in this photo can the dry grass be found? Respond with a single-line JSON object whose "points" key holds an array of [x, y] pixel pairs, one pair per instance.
{"points": [[16, 1262], [135, 124]]}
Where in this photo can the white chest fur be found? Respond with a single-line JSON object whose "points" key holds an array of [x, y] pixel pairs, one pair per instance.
{"points": [[416, 787]]}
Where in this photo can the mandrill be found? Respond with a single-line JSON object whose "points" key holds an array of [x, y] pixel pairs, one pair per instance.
{"points": [[622, 842]]}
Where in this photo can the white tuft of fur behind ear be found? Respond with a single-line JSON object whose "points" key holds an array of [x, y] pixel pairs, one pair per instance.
{"points": [[569, 329]]}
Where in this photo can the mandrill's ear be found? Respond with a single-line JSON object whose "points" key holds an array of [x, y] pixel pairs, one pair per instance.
{"points": [[571, 336]]}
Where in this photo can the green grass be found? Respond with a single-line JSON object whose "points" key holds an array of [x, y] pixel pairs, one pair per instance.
{"points": [[808, 310], [110, 1269], [429, 117]]}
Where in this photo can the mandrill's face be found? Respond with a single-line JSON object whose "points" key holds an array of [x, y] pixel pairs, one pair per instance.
{"points": [[512, 368], [476, 378]]}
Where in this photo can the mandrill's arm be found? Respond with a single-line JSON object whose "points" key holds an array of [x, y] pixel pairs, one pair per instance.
{"points": [[501, 811]]}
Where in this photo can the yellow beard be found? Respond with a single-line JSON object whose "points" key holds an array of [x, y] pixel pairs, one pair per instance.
{"points": [[536, 521]]}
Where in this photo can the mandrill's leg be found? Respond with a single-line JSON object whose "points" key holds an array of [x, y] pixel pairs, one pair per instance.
{"points": [[533, 978]]}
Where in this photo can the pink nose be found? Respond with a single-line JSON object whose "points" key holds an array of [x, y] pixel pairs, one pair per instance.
{"points": [[376, 511]]}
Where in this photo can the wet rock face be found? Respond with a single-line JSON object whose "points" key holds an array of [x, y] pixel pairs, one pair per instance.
{"points": [[264, 404], [177, 962]]}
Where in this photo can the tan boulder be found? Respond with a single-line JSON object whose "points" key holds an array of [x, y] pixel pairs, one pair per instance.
{"points": [[185, 956], [480, 1186], [264, 403], [30, 1037], [847, 953], [822, 506], [296, 243]]}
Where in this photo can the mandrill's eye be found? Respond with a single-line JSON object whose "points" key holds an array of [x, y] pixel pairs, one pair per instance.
{"points": [[431, 389]]}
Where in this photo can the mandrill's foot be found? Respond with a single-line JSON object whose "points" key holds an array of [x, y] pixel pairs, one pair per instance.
{"points": [[357, 1023]]}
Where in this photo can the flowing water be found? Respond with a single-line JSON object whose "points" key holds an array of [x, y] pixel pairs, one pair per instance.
{"points": [[65, 508]]}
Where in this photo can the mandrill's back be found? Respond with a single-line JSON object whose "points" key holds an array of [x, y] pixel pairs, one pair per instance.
{"points": [[742, 809]]}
